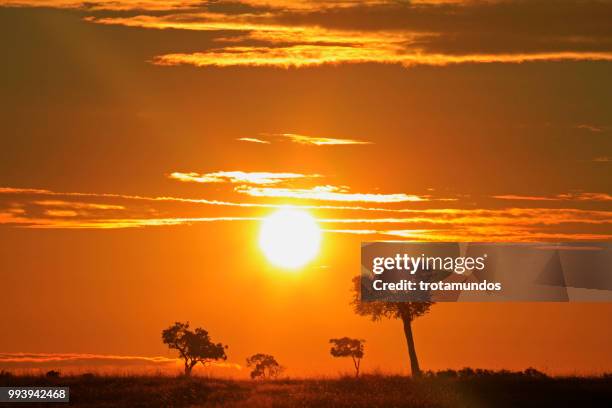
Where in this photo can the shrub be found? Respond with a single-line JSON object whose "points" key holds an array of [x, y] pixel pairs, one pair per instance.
{"points": [[533, 373], [447, 374], [53, 374]]}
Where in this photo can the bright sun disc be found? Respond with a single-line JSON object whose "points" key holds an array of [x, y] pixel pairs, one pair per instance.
{"points": [[290, 238]]}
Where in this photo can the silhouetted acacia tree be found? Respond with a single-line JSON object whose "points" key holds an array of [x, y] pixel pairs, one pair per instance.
{"points": [[347, 347], [264, 366], [53, 374], [194, 346], [406, 311]]}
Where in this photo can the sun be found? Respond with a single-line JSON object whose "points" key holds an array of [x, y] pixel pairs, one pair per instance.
{"points": [[290, 238]]}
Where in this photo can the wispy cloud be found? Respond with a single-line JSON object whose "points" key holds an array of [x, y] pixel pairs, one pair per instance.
{"points": [[506, 233], [558, 197], [439, 32], [437, 212], [494, 234], [67, 219], [28, 208], [61, 213], [239, 177], [41, 358], [253, 140], [160, 5], [316, 55], [307, 33], [115, 5], [17, 190], [327, 193], [507, 216], [304, 140], [323, 4], [86, 360], [203, 201], [321, 141], [78, 205], [590, 128], [180, 5], [602, 159], [311, 33]]}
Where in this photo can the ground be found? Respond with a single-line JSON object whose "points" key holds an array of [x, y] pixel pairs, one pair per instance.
{"points": [[448, 389]]}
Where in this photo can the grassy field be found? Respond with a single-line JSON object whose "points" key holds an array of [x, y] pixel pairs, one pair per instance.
{"points": [[446, 389]]}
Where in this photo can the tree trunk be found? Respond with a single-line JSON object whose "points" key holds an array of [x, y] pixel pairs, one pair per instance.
{"points": [[414, 362], [188, 368]]}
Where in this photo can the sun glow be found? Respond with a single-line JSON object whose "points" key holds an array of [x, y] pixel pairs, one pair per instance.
{"points": [[290, 238]]}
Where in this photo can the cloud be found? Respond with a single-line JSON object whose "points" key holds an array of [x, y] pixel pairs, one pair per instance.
{"points": [[590, 128], [455, 218], [239, 177], [13, 190], [115, 5], [253, 140], [308, 33], [28, 208], [72, 194], [61, 213], [306, 140], [201, 21], [321, 141], [79, 361], [316, 55], [517, 212], [203, 201], [260, 27], [470, 220], [43, 358], [126, 223], [507, 216], [327, 193], [509, 225], [78, 205], [168, 5], [558, 197], [287, 45], [66, 219], [319, 4], [494, 234], [312, 33]]}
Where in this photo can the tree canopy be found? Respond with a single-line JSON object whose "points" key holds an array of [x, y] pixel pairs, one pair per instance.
{"points": [[348, 347], [264, 366], [406, 311], [194, 346]]}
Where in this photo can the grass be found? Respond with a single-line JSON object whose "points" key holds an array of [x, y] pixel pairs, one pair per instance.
{"points": [[443, 389]]}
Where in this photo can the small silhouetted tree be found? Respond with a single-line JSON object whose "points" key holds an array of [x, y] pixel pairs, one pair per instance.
{"points": [[406, 311], [347, 347], [194, 346], [264, 366], [53, 374]]}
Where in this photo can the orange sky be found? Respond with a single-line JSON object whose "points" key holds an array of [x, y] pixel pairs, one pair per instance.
{"points": [[142, 142]]}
